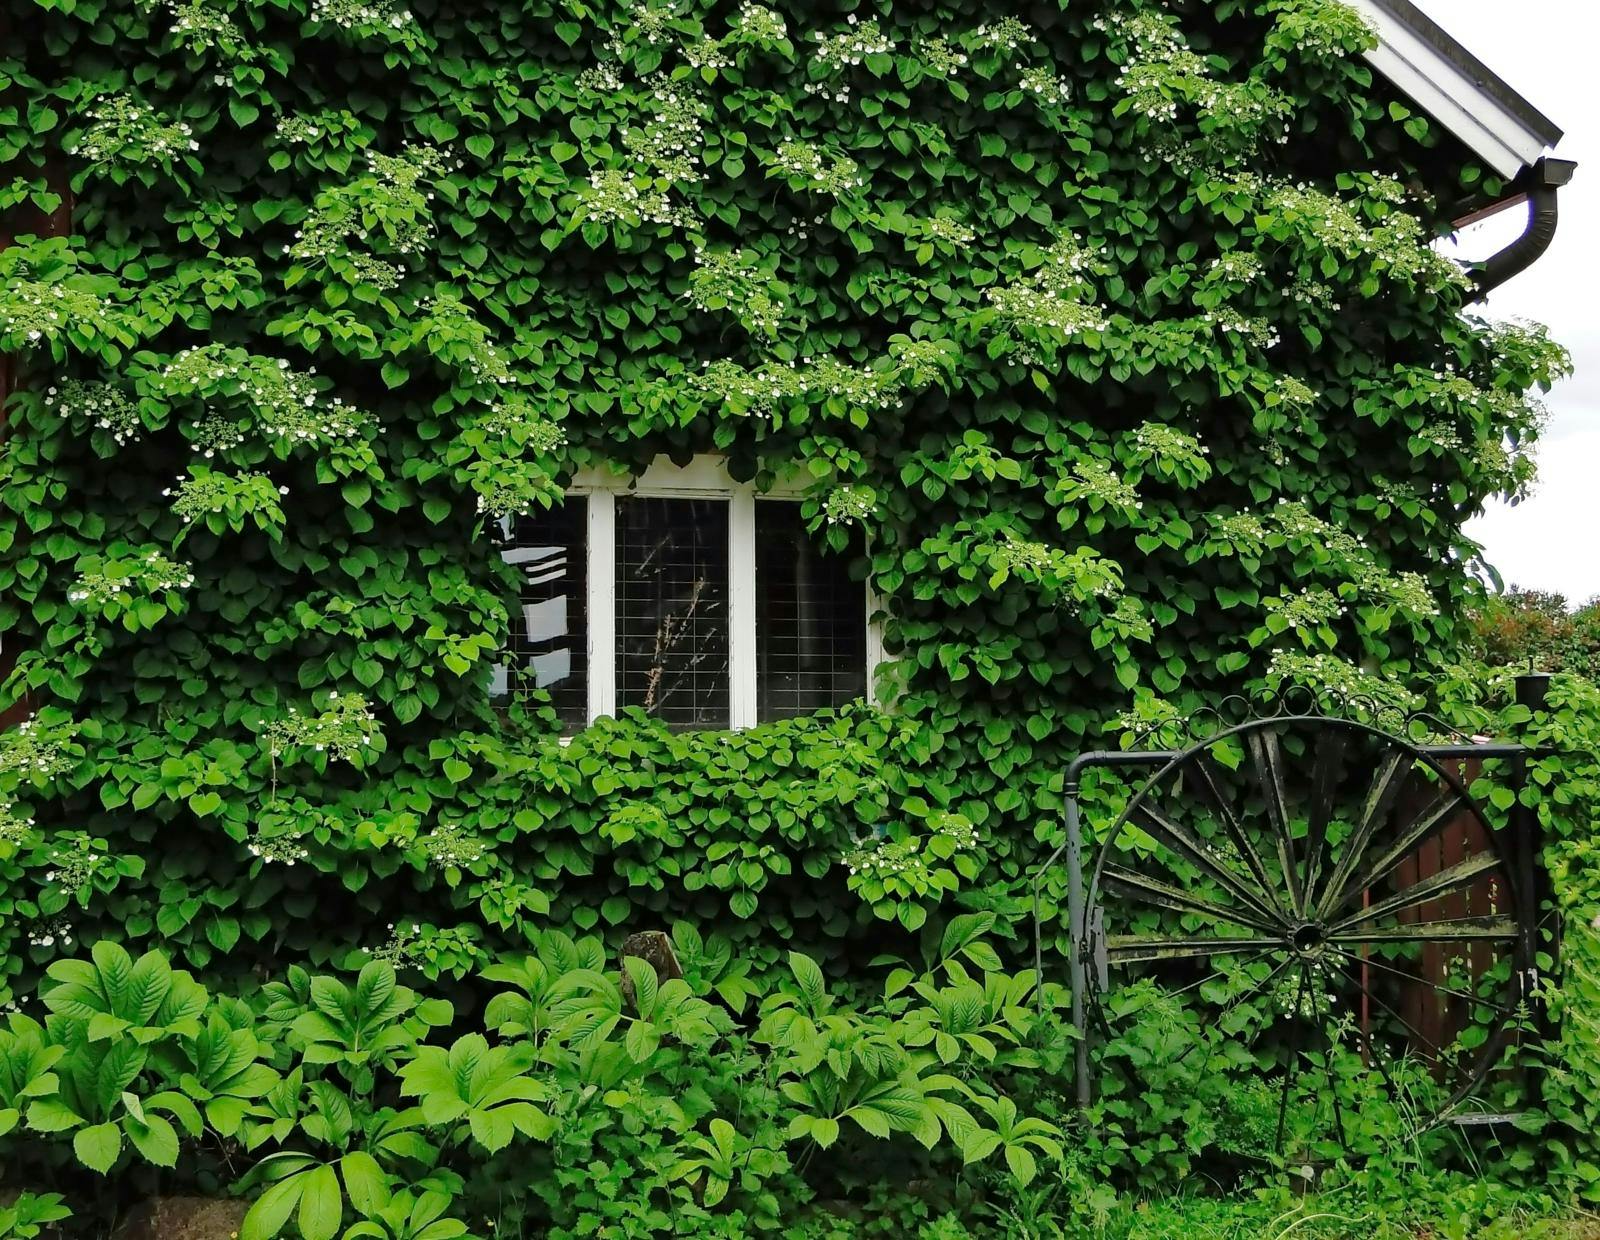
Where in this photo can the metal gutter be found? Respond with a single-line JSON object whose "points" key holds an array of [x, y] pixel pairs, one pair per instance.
{"points": [[1540, 187], [1457, 89]]}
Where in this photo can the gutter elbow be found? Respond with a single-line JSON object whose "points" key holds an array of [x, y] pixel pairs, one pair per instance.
{"points": [[1544, 182]]}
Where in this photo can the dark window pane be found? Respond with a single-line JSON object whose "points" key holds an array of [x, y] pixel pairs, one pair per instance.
{"points": [[548, 649], [672, 609], [811, 628]]}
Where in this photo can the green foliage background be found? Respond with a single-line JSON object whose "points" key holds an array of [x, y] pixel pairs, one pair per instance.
{"points": [[1114, 326]]}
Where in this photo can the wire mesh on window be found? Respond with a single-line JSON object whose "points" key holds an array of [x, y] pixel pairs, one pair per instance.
{"points": [[548, 648], [811, 631], [672, 609]]}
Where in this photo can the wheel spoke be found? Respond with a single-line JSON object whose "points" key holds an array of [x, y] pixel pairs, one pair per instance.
{"points": [[1366, 1038], [1450, 930], [1289, 1072], [1324, 786], [1133, 948], [1195, 851], [1238, 836], [1415, 979], [1381, 797], [1233, 1003], [1128, 882], [1327, 1068], [1438, 1051], [1440, 812], [1462, 874], [1268, 762]]}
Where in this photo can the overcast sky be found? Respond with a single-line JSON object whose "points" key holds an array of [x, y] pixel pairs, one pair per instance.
{"points": [[1546, 50]]}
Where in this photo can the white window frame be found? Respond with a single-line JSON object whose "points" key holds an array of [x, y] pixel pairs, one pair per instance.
{"points": [[705, 477]]}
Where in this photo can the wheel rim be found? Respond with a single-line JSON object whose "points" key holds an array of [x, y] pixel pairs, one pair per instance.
{"points": [[1326, 906]]}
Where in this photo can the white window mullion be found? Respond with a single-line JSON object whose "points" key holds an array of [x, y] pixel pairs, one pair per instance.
{"points": [[742, 699], [602, 604], [875, 655]]}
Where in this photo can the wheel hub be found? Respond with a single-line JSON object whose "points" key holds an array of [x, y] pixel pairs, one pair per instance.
{"points": [[1308, 938]]}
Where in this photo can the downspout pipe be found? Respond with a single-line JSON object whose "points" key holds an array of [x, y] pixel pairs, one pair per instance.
{"points": [[1540, 188]]}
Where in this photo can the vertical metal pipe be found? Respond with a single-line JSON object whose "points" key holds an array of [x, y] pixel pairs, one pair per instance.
{"points": [[1076, 963]]}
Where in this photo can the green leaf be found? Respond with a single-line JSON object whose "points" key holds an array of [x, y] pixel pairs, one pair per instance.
{"points": [[321, 1204], [97, 1146], [271, 1211], [364, 1180], [155, 1139]]}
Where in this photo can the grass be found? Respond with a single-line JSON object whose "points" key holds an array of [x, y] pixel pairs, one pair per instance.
{"points": [[1342, 1216]]}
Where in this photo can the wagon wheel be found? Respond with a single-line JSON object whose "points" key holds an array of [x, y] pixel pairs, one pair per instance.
{"points": [[1317, 914]]}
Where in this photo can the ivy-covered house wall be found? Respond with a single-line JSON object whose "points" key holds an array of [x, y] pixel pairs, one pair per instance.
{"points": [[1107, 337]]}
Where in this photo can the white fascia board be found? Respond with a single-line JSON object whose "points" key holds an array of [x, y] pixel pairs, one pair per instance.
{"points": [[1449, 96]]}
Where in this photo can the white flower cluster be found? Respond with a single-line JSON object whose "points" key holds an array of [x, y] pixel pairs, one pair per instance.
{"points": [[14, 828], [445, 318], [756, 23], [1053, 295], [288, 404], [807, 162], [883, 859], [341, 731], [851, 47], [1292, 393], [708, 54], [402, 945], [1045, 85], [126, 131], [513, 489], [50, 931], [801, 227], [1236, 267], [1162, 442], [1243, 531], [216, 433], [1246, 106], [285, 850], [1005, 35], [1027, 306], [199, 495], [849, 505], [1256, 331], [75, 860], [652, 22], [1026, 558], [362, 14], [735, 280], [105, 405], [1309, 609], [1323, 29], [1095, 481], [200, 26], [615, 197], [945, 228], [516, 418], [31, 311], [1315, 294], [668, 144], [451, 846], [604, 78], [940, 57], [1406, 591], [1328, 674], [304, 130], [151, 573], [31, 750], [757, 391]]}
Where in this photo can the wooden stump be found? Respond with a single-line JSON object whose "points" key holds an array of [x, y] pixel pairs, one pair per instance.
{"points": [[654, 947]]}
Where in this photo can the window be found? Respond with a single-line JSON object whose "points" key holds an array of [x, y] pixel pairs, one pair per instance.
{"points": [[687, 595]]}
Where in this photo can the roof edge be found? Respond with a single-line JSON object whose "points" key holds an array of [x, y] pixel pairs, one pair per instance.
{"points": [[1456, 88]]}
